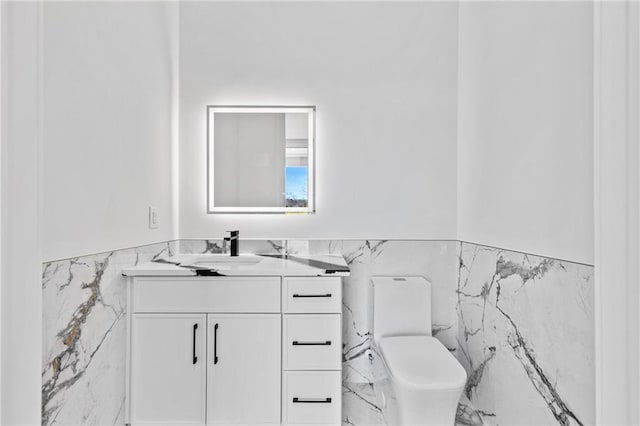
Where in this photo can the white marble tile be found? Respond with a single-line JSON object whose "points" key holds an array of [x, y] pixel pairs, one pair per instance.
{"points": [[526, 328], [195, 246], [84, 305], [521, 325], [359, 405], [467, 415]]}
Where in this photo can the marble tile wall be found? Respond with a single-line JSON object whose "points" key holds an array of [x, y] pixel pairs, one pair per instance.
{"points": [[84, 336], [521, 325], [526, 337]]}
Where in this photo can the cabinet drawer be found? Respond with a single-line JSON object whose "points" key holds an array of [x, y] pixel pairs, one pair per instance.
{"points": [[312, 295], [312, 342], [207, 294], [311, 397]]}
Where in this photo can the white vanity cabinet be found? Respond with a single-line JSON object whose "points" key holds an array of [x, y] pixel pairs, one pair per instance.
{"points": [[250, 350], [204, 350]]}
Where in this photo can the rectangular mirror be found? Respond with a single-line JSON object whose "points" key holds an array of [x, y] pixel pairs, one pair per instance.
{"points": [[260, 159]]}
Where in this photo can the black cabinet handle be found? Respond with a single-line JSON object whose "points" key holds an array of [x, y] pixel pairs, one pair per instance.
{"points": [[325, 343], [312, 295], [195, 358], [311, 401], [215, 344]]}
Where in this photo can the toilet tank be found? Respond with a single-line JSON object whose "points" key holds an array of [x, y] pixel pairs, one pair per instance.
{"points": [[401, 306]]}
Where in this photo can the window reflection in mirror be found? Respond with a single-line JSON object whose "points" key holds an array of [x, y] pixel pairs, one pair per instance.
{"points": [[260, 159]]}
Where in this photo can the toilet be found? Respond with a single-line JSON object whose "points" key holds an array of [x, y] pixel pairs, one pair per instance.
{"points": [[426, 378]]}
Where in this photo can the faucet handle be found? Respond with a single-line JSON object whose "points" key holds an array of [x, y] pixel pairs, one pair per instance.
{"points": [[234, 238]]}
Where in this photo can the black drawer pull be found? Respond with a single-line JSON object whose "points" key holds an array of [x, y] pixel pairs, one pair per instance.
{"points": [[215, 344], [325, 343], [312, 295], [194, 358], [297, 400]]}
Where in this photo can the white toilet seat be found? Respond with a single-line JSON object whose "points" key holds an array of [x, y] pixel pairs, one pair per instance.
{"points": [[422, 362]]}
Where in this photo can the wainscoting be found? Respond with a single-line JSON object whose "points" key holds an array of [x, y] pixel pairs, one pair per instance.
{"points": [[521, 325]]}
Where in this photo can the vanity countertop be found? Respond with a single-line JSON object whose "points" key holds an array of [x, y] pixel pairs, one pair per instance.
{"points": [[187, 265]]}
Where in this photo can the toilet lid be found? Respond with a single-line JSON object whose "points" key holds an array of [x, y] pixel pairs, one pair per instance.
{"points": [[422, 362]]}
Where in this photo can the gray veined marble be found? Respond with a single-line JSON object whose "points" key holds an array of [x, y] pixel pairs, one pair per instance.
{"points": [[521, 325], [526, 329], [196, 246], [360, 406], [84, 304], [468, 415]]}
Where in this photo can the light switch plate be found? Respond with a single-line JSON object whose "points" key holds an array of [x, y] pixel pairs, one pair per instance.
{"points": [[153, 217]]}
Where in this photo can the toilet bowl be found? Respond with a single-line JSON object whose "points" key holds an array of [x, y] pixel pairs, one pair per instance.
{"points": [[425, 377]]}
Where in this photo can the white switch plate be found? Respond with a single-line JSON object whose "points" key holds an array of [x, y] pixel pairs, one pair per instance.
{"points": [[153, 217]]}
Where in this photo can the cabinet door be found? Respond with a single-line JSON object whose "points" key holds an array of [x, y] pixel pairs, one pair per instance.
{"points": [[243, 374], [168, 369]]}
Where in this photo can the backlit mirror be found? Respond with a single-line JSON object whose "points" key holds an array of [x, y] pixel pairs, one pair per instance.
{"points": [[260, 159]]}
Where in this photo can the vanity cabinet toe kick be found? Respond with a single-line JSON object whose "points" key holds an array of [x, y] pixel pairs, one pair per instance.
{"points": [[234, 350]]}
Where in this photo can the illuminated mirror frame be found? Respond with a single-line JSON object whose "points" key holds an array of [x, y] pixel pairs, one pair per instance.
{"points": [[310, 110]]}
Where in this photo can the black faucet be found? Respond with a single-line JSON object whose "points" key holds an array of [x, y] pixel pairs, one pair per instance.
{"points": [[233, 238]]}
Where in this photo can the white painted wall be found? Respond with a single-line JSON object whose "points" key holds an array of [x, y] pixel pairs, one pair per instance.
{"points": [[20, 225], [110, 77], [383, 78], [617, 212], [525, 147], [2, 135]]}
